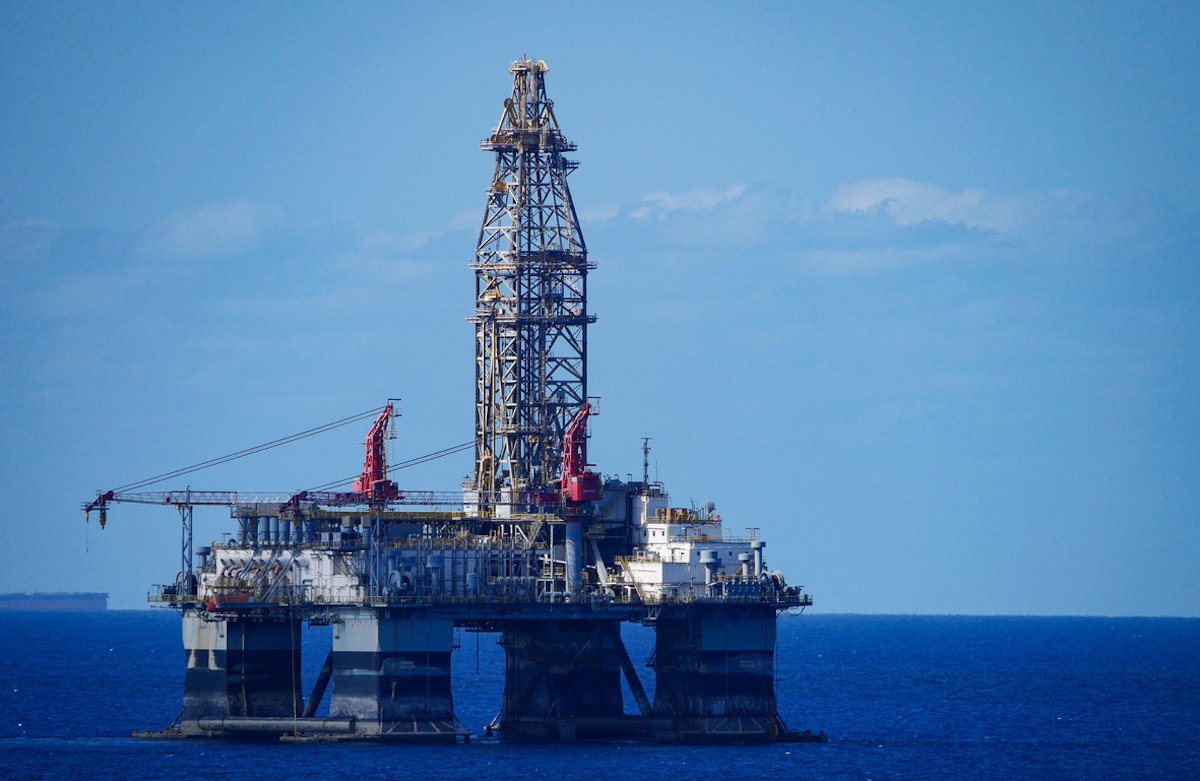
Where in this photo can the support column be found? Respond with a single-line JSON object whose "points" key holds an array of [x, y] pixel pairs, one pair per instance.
{"points": [[574, 558], [715, 673], [562, 679], [240, 668], [391, 672]]}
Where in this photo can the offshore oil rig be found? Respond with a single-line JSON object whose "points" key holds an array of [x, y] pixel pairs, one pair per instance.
{"points": [[535, 546]]}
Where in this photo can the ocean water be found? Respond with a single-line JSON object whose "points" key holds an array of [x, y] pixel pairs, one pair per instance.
{"points": [[899, 696]]}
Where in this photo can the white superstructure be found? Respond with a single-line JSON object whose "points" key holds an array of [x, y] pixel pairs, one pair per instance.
{"points": [[681, 552]]}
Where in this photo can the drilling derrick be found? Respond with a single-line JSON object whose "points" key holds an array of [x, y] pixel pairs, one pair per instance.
{"points": [[530, 302]]}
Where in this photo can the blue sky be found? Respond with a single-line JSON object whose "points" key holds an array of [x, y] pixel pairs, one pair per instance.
{"points": [[913, 288]]}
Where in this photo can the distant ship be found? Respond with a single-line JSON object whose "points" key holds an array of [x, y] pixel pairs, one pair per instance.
{"points": [[60, 602]]}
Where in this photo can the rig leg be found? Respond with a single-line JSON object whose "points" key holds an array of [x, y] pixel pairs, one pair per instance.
{"points": [[716, 674], [631, 676], [318, 691], [391, 673], [239, 668], [562, 680]]}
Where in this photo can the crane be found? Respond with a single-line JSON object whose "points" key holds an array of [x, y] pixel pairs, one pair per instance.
{"points": [[374, 483], [579, 484], [372, 486], [372, 489]]}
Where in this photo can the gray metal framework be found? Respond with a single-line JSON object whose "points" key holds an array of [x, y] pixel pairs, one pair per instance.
{"points": [[530, 299]]}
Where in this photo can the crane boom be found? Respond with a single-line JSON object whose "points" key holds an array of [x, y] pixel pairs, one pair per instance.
{"points": [[372, 488], [285, 499], [579, 484], [374, 483]]}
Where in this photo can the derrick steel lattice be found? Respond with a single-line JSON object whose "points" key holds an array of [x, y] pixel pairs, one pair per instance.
{"points": [[530, 298]]}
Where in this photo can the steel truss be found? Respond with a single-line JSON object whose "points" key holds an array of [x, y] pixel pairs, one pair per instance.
{"points": [[530, 299]]}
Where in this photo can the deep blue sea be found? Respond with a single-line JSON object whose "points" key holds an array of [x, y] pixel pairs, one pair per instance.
{"points": [[899, 696]]}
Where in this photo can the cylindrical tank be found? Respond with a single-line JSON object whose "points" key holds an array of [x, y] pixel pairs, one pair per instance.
{"points": [[434, 563], [745, 559], [757, 546], [710, 561], [274, 531], [574, 558]]}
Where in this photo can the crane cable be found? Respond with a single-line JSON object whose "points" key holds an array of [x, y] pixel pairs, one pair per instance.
{"points": [[404, 464], [249, 451]]}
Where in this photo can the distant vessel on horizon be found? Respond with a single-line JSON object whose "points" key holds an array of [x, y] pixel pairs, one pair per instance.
{"points": [[58, 601]]}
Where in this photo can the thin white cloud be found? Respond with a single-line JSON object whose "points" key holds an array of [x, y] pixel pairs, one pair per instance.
{"points": [[883, 224], [878, 259], [384, 255], [909, 202], [660, 204], [213, 230], [599, 213], [1059, 217]]}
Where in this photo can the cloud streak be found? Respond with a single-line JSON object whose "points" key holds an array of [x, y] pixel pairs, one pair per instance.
{"points": [[908, 202], [660, 204], [886, 224], [226, 228]]}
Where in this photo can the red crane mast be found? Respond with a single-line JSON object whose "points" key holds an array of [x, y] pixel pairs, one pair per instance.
{"points": [[374, 484], [579, 484]]}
